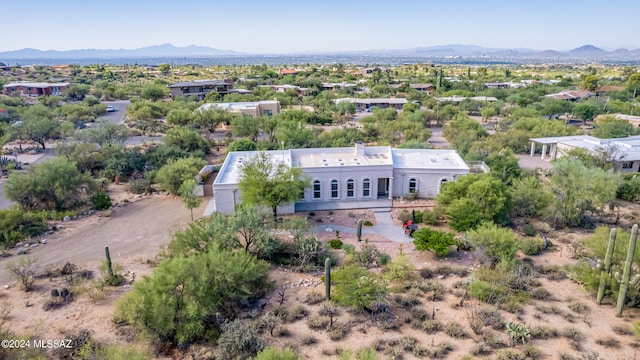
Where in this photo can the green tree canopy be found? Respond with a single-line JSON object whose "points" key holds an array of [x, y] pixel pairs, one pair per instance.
{"points": [[472, 199], [154, 92], [609, 127], [177, 171], [267, 181], [53, 185], [438, 241]]}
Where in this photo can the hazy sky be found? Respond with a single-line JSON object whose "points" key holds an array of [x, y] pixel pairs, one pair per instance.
{"points": [[279, 26]]}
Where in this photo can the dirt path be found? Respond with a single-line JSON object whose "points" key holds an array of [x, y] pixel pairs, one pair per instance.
{"points": [[134, 233]]}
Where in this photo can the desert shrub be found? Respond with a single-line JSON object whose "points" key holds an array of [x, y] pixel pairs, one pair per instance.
{"points": [[480, 316], [270, 321], [140, 186], [367, 255], [544, 332], [442, 350], [509, 354], [298, 312], [507, 287], [400, 268], [367, 354], [482, 348], [609, 342], [308, 340], [18, 225], [573, 334], [622, 330], [270, 353], [431, 326], [338, 331], [530, 351], [216, 281], [318, 322], [498, 243], [238, 341], [383, 259], [529, 230], [455, 330], [101, 201], [367, 223], [25, 271], [530, 246], [438, 241], [335, 243], [541, 293], [349, 249], [429, 217], [578, 307], [314, 297]]}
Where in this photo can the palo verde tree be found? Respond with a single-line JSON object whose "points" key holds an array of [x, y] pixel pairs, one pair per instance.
{"points": [[267, 181], [37, 125], [53, 185]]}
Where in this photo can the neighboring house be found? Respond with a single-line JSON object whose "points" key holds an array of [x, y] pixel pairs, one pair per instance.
{"points": [[200, 88], [255, 109], [631, 119], [36, 89], [336, 86], [571, 95], [458, 98], [366, 104], [623, 152], [286, 87], [288, 72], [428, 88], [603, 90], [349, 178]]}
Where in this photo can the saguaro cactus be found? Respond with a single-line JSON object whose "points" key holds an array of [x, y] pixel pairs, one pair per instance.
{"points": [[604, 275], [327, 278], [359, 230], [109, 267], [626, 275]]}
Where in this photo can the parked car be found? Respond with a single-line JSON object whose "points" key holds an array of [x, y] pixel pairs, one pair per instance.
{"points": [[110, 108]]}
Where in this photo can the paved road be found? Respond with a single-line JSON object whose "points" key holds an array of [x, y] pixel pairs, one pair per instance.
{"points": [[116, 117]]}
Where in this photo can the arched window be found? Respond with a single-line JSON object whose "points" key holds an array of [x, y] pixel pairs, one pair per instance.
{"points": [[334, 189], [351, 188], [366, 188], [317, 193], [413, 185]]}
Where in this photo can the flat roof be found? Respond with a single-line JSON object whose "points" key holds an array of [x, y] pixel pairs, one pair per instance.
{"points": [[198, 83], [35, 84], [427, 159], [237, 105], [346, 157], [372, 101], [231, 169], [625, 149], [342, 156]]}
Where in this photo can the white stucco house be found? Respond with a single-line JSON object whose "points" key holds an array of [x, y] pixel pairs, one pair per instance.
{"points": [[350, 177], [623, 152]]}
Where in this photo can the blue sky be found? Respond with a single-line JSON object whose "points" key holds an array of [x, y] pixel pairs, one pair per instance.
{"points": [[278, 26]]}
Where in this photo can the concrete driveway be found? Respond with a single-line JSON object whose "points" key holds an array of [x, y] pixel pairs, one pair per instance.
{"points": [[115, 117]]}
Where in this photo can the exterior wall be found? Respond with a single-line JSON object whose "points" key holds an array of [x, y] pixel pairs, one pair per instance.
{"points": [[358, 174], [265, 108], [428, 181], [27, 90]]}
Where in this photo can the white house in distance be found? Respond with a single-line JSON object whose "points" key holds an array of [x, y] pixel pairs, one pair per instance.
{"points": [[625, 152], [349, 178]]}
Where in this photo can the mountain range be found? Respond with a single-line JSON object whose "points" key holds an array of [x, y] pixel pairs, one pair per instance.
{"points": [[586, 52]]}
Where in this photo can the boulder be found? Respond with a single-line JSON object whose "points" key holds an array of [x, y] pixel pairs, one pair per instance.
{"points": [[66, 219]]}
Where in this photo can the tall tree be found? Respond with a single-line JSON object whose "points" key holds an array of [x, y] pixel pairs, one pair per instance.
{"points": [[267, 181], [37, 125]]}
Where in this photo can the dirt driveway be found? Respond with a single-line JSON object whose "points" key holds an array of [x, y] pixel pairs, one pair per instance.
{"points": [[134, 233]]}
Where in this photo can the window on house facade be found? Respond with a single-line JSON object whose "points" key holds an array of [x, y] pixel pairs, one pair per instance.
{"points": [[350, 188], [334, 189], [413, 185], [268, 113], [627, 165], [366, 188], [317, 193]]}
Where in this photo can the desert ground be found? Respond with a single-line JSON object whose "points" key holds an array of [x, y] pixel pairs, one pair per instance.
{"points": [[136, 229]]}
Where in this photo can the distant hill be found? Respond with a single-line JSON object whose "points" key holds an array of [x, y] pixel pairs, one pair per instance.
{"points": [[164, 50]]}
